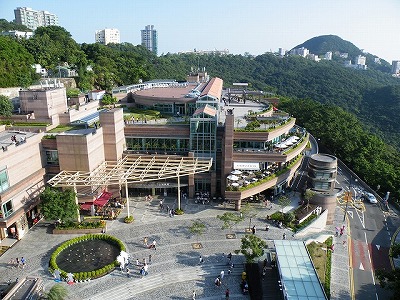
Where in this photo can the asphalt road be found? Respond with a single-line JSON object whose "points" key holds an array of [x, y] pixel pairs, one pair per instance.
{"points": [[371, 230]]}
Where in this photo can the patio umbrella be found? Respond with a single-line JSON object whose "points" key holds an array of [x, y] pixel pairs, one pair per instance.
{"points": [[233, 177], [235, 184], [236, 172]]}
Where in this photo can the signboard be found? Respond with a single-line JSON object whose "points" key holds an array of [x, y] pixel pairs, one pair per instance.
{"points": [[248, 166]]}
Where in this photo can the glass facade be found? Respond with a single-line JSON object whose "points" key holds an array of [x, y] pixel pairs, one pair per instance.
{"points": [[203, 135], [7, 209], [180, 146], [4, 184], [52, 157]]}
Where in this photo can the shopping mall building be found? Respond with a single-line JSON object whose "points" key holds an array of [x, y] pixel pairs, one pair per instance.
{"points": [[255, 148]]}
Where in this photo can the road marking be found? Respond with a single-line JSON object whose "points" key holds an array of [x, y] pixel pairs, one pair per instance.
{"points": [[366, 241], [337, 181], [376, 294], [350, 214], [361, 267], [378, 246]]}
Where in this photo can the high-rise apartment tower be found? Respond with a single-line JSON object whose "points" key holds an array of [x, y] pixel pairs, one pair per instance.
{"points": [[34, 18], [107, 36], [150, 38]]}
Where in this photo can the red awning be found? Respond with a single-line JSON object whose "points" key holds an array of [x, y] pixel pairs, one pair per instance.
{"points": [[86, 205], [103, 199]]}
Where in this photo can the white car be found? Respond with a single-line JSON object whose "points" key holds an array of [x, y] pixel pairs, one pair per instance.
{"points": [[371, 198]]}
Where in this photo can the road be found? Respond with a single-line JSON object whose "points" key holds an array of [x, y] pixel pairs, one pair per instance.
{"points": [[371, 230]]}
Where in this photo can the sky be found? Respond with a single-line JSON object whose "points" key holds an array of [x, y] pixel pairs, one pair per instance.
{"points": [[253, 26]]}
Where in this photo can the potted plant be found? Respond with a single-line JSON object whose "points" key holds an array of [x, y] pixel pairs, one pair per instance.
{"points": [[129, 219]]}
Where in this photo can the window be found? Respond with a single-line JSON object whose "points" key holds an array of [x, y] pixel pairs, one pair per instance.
{"points": [[7, 209], [52, 157], [4, 185]]}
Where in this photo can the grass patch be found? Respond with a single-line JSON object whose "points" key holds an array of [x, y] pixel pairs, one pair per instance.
{"points": [[64, 128], [322, 258]]}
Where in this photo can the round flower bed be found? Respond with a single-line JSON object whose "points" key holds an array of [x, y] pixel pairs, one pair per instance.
{"points": [[74, 258]]}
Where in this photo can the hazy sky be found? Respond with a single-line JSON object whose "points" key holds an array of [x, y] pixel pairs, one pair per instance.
{"points": [[254, 26]]}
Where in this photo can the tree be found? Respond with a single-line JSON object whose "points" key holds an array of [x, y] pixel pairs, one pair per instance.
{"points": [[109, 100], [283, 201], [230, 219], [249, 212], [6, 106], [57, 204], [308, 195], [390, 280], [197, 228], [252, 247], [57, 292]]}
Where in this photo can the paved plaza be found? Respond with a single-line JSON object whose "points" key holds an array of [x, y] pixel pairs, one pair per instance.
{"points": [[175, 270]]}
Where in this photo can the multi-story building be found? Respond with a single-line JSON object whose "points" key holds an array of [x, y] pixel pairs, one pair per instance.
{"points": [[360, 60], [107, 36], [18, 34], [34, 18], [396, 67], [255, 149], [150, 38], [322, 171]]}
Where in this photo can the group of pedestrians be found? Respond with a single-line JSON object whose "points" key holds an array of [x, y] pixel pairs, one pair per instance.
{"points": [[18, 263]]}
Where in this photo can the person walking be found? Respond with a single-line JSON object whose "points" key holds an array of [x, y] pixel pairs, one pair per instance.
{"points": [[149, 258], [267, 228], [154, 244], [222, 274], [146, 268], [201, 260], [253, 230], [194, 295], [128, 272], [227, 294], [284, 236], [145, 241]]}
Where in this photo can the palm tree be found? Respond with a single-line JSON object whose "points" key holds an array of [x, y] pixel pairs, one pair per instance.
{"points": [[57, 292], [238, 121]]}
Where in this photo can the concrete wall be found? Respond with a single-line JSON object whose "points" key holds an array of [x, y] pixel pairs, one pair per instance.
{"points": [[112, 123], [80, 152], [45, 103], [327, 202]]}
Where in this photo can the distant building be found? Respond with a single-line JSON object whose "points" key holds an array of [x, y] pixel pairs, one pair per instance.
{"points": [[328, 55], [150, 38], [18, 34], [34, 18], [360, 60], [300, 51], [313, 57], [40, 70], [396, 67], [107, 36], [281, 52], [213, 52]]}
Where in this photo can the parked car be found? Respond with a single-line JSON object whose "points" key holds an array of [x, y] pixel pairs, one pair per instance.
{"points": [[370, 197]]}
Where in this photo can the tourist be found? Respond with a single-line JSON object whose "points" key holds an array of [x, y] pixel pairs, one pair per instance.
{"points": [[137, 263], [222, 274], [201, 260], [229, 257], [17, 262], [253, 230], [284, 236], [217, 281], [267, 228], [145, 241], [145, 268], [153, 245], [149, 258], [127, 272], [194, 295], [227, 294]]}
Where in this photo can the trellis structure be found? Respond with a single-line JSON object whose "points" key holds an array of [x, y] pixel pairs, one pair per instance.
{"points": [[134, 169]]}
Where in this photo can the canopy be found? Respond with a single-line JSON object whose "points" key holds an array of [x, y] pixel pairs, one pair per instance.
{"points": [[233, 177], [103, 199], [236, 172], [86, 206], [281, 145], [235, 184]]}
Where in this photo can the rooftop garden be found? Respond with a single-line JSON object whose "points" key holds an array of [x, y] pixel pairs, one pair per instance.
{"points": [[263, 125]]}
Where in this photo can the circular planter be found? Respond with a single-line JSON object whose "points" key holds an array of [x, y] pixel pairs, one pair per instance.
{"points": [[87, 257]]}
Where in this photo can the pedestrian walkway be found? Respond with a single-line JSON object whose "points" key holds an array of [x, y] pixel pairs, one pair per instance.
{"points": [[174, 272]]}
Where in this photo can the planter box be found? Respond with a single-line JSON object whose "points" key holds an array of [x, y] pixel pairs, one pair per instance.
{"points": [[78, 231]]}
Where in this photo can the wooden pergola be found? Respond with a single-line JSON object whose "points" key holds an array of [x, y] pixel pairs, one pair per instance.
{"points": [[134, 169]]}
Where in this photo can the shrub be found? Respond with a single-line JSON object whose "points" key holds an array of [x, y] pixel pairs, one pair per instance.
{"points": [[86, 275], [288, 217], [179, 212], [128, 219]]}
